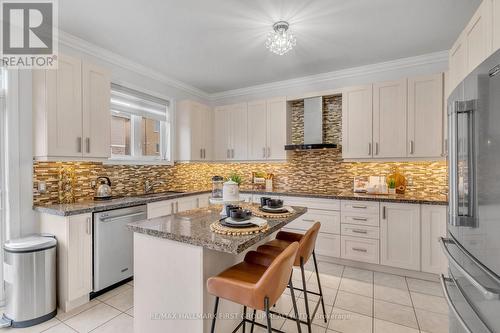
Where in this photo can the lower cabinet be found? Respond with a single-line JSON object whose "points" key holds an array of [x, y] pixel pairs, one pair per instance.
{"points": [[167, 207], [433, 219], [360, 249], [328, 245], [186, 203], [400, 235]]}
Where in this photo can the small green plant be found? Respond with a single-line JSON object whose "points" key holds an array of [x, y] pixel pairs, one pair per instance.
{"points": [[392, 183], [235, 178]]}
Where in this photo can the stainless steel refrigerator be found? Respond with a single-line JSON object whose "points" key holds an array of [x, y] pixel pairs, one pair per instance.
{"points": [[472, 245]]}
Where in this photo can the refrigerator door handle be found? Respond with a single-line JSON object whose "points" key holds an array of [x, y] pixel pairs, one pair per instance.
{"points": [[450, 303], [487, 293]]}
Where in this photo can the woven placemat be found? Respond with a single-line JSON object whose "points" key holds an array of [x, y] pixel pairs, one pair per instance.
{"points": [[220, 229], [257, 212]]}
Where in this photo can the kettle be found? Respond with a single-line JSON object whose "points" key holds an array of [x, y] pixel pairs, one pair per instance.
{"points": [[102, 189]]}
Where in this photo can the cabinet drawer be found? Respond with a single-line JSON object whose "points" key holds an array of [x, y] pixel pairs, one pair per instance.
{"points": [[330, 221], [328, 245], [357, 206], [360, 249], [312, 203], [360, 219], [160, 208], [359, 231]]}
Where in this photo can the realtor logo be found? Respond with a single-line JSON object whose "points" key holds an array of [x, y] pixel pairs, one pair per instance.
{"points": [[29, 34]]}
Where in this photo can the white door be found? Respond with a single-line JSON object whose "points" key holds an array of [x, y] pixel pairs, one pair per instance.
{"points": [[79, 256], [96, 111], [400, 235], [357, 123], [389, 119], [433, 227], [478, 36], [257, 130], [425, 116], [276, 129], [457, 62], [221, 134], [64, 108], [238, 129]]}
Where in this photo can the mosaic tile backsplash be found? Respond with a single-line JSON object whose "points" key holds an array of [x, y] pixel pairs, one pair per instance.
{"points": [[304, 171]]}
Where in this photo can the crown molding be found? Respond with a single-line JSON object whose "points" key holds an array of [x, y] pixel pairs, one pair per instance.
{"points": [[426, 59], [114, 58]]}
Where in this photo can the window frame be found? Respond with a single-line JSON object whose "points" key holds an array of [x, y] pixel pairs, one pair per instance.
{"points": [[167, 136]]}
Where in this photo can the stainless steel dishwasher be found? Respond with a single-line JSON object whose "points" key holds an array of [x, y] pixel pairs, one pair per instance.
{"points": [[114, 245]]}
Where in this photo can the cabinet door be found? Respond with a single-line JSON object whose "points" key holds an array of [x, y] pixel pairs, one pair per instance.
{"points": [[257, 130], [400, 235], [478, 35], [425, 116], [79, 256], [221, 134], [276, 129], [328, 245], [160, 208], [207, 129], [458, 62], [197, 133], [357, 122], [433, 226], [238, 129], [64, 108], [184, 204], [96, 111], [389, 119]]}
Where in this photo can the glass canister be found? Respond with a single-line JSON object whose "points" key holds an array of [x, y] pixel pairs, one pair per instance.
{"points": [[217, 184]]}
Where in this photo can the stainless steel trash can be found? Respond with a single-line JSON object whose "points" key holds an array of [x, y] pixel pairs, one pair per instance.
{"points": [[30, 280]]}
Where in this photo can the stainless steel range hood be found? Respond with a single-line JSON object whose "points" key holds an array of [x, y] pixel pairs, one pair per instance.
{"points": [[313, 126]]}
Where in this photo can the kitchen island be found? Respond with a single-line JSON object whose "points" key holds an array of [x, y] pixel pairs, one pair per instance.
{"points": [[173, 258]]}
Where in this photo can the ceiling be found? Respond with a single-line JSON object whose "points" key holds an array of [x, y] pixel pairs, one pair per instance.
{"points": [[218, 45]]}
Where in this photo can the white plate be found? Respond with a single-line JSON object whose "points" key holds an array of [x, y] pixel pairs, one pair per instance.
{"points": [[269, 208]]}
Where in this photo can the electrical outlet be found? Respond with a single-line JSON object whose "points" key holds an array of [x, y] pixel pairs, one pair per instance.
{"points": [[42, 187]]}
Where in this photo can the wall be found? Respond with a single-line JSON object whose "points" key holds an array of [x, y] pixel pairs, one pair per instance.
{"points": [[318, 171]]}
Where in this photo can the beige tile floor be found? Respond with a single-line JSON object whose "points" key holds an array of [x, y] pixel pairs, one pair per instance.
{"points": [[357, 301]]}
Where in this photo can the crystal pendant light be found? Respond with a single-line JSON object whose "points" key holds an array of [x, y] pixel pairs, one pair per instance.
{"points": [[280, 41]]}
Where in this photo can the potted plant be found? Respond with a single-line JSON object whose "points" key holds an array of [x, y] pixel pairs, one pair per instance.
{"points": [[392, 185], [235, 178]]}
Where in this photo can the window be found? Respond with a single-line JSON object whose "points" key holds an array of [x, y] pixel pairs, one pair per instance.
{"points": [[140, 126]]}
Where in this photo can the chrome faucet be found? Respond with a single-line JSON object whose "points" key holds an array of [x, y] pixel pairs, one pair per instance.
{"points": [[149, 186]]}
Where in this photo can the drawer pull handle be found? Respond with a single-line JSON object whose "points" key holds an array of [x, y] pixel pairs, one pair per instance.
{"points": [[360, 207], [358, 231], [360, 219], [308, 220], [357, 249]]}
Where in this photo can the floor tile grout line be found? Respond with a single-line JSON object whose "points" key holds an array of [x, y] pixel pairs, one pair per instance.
{"points": [[413, 305], [48, 328], [92, 330], [373, 302], [336, 295], [93, 306]]}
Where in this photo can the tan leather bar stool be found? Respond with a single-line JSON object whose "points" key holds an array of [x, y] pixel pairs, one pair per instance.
{"points": [[257, 283], [307, 242]]}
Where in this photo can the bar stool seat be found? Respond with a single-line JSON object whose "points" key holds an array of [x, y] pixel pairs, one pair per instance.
{"points": [[257, 282]]}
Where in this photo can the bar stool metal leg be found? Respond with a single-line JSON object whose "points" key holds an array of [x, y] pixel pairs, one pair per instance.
{"points": [[215, 314], [304, 286], [294, 302], [253, 320], [268, 315], [244, 318], [319, 286]]}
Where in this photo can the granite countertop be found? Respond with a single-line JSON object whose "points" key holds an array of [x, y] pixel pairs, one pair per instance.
{"points": [[99, 206], [193, 227]]}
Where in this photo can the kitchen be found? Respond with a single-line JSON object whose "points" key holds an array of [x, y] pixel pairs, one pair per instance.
{"points": [[137, 176]]}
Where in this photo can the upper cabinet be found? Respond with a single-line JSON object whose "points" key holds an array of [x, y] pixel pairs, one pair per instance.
{"points": [[357, 122], [425, 116], [71, 111], [479, 39], [267, 129], [194, 131], [230, 126], [394, 120], [389, 119]]}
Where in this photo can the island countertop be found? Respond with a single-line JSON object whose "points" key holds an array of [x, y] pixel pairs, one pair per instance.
{"points": [[193, 227]]}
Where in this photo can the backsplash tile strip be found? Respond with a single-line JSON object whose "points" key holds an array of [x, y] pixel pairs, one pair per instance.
{"points": [[305, 171]]}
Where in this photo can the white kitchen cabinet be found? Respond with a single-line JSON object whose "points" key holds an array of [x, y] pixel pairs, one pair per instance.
{"points": [[496, 25], [400, 235], [357, 122], [267, 129], [425, 116], [186, 203], [330, 221], [328, 245], [160, 208], [458, 62], [71, 111], [231, 132], [478, 35], [360, 249], [96, 111], [389, 119], [74, 256], [194, 131], [433, 219]]}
